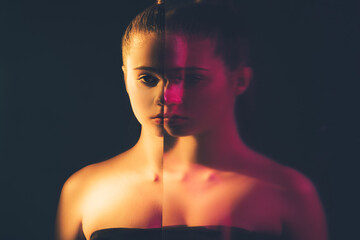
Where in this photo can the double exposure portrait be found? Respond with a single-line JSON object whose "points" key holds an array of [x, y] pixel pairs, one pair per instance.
{"points": [[177, 119], [190, 175]]}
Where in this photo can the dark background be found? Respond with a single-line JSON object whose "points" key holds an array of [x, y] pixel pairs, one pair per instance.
{"points": [[63, 104]]}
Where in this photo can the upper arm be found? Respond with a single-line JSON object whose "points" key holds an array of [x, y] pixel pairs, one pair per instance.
{"points": [[68, 222], [305, 219]]}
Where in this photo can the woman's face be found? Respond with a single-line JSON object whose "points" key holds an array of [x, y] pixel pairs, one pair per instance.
{"points": [[179, 85], [200, 92], [144, 83]]}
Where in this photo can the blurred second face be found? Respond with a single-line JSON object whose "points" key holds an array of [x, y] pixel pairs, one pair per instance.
{"points": [[198, 94]]}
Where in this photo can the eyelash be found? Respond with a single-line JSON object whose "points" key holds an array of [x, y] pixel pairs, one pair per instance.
{"points": [[148, 80], [193, 79], [151, 81]]}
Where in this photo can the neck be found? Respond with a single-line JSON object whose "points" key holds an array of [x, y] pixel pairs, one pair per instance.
{"points": [[150, 150], [215, 148]]}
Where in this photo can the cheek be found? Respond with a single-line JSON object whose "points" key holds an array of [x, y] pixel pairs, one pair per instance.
{"points": [[141, 100], [210, 102]]}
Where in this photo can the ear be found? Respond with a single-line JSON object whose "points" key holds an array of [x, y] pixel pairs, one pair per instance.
{"points": [[125, 76], [242, 78]]}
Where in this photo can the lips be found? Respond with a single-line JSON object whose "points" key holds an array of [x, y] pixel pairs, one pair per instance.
{"points": [[171, 119], [158, 119], [175, 120], [161, 115]]}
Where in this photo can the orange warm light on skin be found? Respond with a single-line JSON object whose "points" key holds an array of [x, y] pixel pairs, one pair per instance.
{"points": [[143, 80], [184, 99], [117, 200], [207, 176]]}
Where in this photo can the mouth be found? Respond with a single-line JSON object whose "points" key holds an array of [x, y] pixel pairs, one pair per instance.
{"points": [[158, 119], [170, 119]]}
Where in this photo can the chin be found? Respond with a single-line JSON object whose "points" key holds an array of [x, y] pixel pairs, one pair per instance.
{"points": [[178, 131], [152, 129]]}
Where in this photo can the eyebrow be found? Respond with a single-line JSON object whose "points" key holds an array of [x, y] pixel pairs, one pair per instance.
{"points": [[178, 69], [188, 69], [152, 69]]}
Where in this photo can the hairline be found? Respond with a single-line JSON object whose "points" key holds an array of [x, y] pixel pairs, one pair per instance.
{"points": [[214, 40]]}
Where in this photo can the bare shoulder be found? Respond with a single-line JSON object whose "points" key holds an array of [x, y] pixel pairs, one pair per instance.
{"points": [[299, 185], [296, 187], [68, 220], [74, 191], [304, 215], [289, 184], [268, 170], [295, 184], [302, 211], [81, 181]]}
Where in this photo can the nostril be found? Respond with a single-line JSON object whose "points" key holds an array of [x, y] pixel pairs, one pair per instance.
{"points": [[160, 101]]}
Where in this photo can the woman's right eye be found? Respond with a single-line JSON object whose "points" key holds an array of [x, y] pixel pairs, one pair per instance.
{"points": [[148, 80]]}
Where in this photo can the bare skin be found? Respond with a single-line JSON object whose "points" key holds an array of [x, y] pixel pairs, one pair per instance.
{"points": [[207, 177], [234, 185], [112, 193], [251, 192], [263, 197]]}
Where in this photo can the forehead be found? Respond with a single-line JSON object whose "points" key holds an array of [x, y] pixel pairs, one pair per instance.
{"points": [[146, 49], [182, 50], [172, 51]]}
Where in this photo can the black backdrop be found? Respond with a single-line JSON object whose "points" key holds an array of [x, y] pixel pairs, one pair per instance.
{"points": [[63, 103]]}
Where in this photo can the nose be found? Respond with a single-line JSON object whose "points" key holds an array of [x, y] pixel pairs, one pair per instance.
{"points": [[173, 93]]}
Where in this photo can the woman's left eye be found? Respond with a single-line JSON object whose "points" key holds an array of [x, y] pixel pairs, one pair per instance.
{"points": [[148, 80], [192, 79]]}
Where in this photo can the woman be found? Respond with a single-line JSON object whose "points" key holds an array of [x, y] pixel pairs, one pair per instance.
{"points": [[190, 175], [125, 191]]}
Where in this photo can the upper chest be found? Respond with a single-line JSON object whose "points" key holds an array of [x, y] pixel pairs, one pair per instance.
{"points": [[196, 200], [126, 201], [236, 201]]}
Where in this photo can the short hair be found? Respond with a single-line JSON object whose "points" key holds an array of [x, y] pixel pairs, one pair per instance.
{"points": [[151, 20], [218, 22]]}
